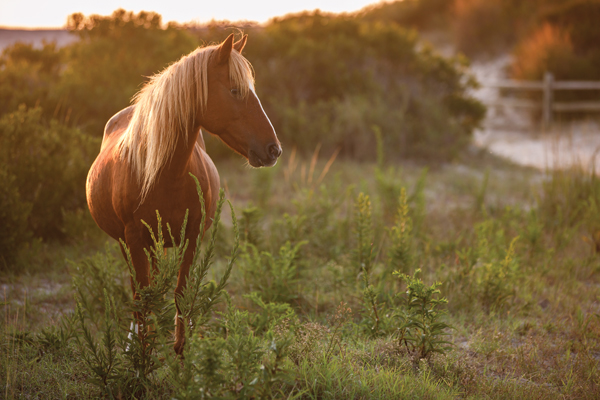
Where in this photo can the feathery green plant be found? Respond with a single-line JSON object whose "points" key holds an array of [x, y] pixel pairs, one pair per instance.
{"points": [[270, 315], [250, 223], [199, 297], [363, 259], [420, 329], [104, 361], [274, 277], [400, 255], [496, 279], [363, 231]]}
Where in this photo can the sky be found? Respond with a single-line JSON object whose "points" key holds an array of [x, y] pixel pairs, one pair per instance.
{"points": [[53, 14]]}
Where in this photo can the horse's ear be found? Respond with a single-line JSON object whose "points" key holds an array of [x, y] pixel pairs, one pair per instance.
{"points": [[225, 50], [239, 45]]}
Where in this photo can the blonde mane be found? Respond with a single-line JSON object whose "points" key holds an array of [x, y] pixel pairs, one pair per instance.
{"points": [[167, 107]]}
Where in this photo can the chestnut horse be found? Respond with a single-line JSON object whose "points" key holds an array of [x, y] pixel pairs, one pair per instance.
{"points": [[150, 148]]}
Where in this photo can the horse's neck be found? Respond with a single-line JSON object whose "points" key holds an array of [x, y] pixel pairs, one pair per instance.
{"points": [[185, 149]]}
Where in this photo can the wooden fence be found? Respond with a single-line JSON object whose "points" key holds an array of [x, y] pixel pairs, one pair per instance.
{"points": [[547, 86]]}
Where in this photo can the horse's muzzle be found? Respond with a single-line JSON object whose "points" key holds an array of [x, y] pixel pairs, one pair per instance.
{"points": [[273, 152]]}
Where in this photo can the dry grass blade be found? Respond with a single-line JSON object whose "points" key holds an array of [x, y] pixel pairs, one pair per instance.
{"points": [[328, 165], [313, 163]]}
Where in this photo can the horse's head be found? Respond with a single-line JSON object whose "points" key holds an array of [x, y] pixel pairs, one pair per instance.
{"points": [[233, 111]]}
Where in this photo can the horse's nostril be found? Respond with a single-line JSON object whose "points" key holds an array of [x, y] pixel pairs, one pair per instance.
{"points": [[274, 150]]}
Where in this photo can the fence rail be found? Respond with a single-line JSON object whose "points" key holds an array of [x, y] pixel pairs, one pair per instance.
{"points": [[547, 86]]}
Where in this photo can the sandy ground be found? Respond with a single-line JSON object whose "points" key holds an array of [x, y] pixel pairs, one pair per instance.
{"points": [[574, 145], [516, 134]]}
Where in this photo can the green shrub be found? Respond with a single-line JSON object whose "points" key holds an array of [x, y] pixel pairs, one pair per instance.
{"points": [[13, 219], [322, 218], [420, 328], [419, 14], [274, 277], [363, 255], [374, 320], [95, 86], [489, 270], [337, 76], [103, 274], [496, 279], [400, 253], [250, 224], [29, 76], [49, 162]]}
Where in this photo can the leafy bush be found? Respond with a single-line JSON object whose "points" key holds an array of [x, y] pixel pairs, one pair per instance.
{"points": [[49, 163], [562, 40], [274, 277], [112, 58], [485, 26], [29, 76], [420, 318], [400, 254], [337, 76], [547, 49], [419, 14], [13, 219], [489, 270]]}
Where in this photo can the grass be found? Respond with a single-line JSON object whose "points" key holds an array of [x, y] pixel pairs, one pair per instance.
{"points": [[514, 251]]}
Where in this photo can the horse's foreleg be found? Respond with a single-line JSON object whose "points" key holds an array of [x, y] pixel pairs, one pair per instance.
{"points": [[179, 319], [141, 269]]}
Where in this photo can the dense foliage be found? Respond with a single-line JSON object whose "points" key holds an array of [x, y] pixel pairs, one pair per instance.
{"points": [[337, 77], [559, 36], [43, 167], [564, 42]]}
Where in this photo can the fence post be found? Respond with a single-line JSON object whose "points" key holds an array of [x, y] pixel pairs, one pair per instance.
{"points": [[547, 106]]}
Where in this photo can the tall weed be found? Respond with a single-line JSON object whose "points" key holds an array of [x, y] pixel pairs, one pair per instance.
{"points": [[420, 328], [276, 278], [400, 253]]}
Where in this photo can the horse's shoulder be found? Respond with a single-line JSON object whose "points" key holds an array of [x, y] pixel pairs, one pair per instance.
{"points": [[119, 120]]}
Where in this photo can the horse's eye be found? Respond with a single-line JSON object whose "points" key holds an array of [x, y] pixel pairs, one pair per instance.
{"points": [[235, 92]]}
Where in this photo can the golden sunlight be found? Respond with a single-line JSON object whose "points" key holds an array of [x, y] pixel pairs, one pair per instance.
{"points": [[45, 14]]}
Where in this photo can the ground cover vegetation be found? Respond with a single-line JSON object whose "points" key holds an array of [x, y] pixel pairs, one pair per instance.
{"points": [[328, 277], [477, 285]]}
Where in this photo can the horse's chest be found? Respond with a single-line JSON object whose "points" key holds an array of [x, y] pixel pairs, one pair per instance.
{"points": [[173, 202]]}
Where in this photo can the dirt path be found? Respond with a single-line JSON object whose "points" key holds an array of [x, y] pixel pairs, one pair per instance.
{"points": [[575, 145], [516, 135]]}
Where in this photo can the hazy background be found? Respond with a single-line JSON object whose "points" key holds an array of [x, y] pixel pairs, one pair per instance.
{"points": [[18, 14]]}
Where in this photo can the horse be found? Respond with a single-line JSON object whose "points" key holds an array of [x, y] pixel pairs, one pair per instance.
{"points": [[150, 148]]}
